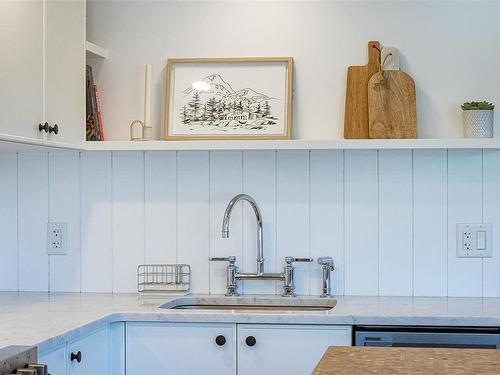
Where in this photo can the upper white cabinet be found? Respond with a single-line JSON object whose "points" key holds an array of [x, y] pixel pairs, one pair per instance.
{"points": [[21, 69], [66, 70], [42, 72]]}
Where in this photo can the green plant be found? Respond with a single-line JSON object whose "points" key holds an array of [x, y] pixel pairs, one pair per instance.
{"points": [[471, 106]]}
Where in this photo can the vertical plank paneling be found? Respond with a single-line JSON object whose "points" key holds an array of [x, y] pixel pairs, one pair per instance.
{"points": [[33, 217], [226, 180], [128, 219], [464, 206], [327, 216], [160, 206], [293, 214], [96, 222], [491, 214], [430, 225], [64, 206], [395, 223], [259, 181], [193, 233], [8, 221], [361, 222]]}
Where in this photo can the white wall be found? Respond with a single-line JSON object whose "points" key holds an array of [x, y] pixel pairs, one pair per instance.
{"points": [[451, 49], [387, 218]]}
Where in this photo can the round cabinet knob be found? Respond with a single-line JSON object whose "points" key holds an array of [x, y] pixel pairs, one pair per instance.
{"points": [[220, 340], [45, 127], [250, 341], [77, 356], [54, 129]]}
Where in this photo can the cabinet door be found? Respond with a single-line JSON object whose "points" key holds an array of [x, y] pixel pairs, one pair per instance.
{"points": [[180, 348], [55, 361], [93, 354], [66, 70], [286, 349], [21, 69]]}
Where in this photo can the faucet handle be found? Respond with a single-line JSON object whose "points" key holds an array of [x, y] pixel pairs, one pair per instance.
{"points": [[326, 262], [231, 259], [290, 260]]}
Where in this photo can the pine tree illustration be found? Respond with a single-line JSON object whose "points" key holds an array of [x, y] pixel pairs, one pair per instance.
{"points": [[184, 115], [267, 109], [195, 105], [211, 108]]}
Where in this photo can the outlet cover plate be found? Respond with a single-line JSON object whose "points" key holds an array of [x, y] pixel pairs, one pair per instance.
{"points": [[467, 241], [57, 238]]}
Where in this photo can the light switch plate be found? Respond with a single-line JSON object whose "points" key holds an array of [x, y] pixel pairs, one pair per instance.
{"points": [[57, 238], [474, 241]]}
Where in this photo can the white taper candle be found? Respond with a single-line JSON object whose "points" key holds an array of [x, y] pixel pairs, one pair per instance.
{"points": [[147, 96]]}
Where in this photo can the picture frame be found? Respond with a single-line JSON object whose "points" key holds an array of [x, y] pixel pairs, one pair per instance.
{"points": [[228, 98]]}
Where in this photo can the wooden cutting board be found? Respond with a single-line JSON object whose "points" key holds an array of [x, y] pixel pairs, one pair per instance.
{"points": [[392, 108], [408, 361], [356, 102]]}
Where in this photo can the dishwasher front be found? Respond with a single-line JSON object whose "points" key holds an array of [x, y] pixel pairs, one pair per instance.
{"points": [[427, 337]]}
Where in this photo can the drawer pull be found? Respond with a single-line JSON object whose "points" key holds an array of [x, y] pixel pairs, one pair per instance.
{"points": [[77, 356], [44, 127], [54, 129], [250, 341], [220, 340]]}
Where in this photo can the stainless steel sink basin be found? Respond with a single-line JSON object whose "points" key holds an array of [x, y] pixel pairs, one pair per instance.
{"points": [[252, 304]]}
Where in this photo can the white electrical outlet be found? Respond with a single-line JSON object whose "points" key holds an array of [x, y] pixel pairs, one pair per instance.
{"points": [[56, 239], [474, 241]]}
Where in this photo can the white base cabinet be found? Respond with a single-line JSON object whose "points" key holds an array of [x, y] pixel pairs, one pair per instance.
{"points": [[90, 356], [248, 349], [92, 352], [180, 348], [286, 349], [55, 360]]}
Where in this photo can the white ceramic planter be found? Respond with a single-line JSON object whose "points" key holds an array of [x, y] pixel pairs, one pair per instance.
{"points": [[478, 124]]}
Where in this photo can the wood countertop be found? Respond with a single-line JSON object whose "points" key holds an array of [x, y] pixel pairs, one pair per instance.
{"points": [[409, 361]]}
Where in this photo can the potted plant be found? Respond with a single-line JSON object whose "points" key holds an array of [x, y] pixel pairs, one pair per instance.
{"points": [[478, 119]]}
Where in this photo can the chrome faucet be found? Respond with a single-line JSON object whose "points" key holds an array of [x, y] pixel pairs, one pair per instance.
{"points": [[258, 217], [232, 270]]}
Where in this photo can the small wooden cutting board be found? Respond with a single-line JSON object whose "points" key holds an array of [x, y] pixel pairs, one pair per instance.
{"points": [[356, 102], [392, 105]]}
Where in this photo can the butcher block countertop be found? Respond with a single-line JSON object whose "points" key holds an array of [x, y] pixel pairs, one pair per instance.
{"points": [[409, 361]]}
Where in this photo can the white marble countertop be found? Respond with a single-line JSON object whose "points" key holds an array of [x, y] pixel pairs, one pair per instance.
{"points": [[48, 320]]}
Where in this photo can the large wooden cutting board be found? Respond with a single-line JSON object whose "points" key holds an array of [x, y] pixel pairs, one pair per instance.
{"points": [[356, 101], [392, 107]]}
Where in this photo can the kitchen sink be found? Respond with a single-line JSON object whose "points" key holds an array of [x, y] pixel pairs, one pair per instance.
{"points": [[249, 304]]}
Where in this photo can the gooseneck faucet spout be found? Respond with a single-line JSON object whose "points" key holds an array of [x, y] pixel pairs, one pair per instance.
{"points": [[258, 217]]}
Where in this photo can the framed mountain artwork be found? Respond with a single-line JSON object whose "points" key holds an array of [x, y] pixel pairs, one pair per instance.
{"points": [[229, 98]]}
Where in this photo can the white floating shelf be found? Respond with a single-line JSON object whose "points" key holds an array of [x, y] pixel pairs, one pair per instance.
{"points": [[94, 51], [298, 144]]}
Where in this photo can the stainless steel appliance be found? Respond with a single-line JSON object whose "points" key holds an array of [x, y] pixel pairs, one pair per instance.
{"points": [[428, 337], [20, 359]]}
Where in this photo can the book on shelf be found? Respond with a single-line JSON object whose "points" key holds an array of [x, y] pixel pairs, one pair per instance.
{"points": [[94, 127], [98, 111]]}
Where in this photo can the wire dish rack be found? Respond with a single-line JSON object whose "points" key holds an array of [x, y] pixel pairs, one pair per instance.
{"points": [[164, 279]]}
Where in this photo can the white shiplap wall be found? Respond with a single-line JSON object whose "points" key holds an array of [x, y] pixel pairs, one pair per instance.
{"points": [[387, 217]]}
